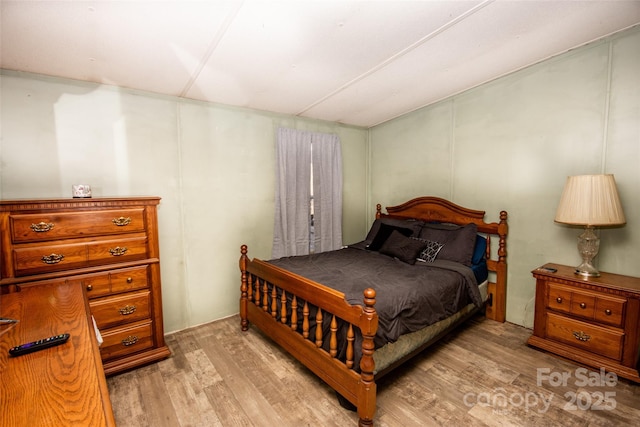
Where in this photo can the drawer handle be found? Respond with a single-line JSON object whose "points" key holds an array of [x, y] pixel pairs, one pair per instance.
{"points": [[581, 336], [52, 259], [122, 221], [607, 312], [42, 227], [118, 251], [130, 340], [129, 279], [89, 287], [559, 300], [127, 309], [583, 305]]}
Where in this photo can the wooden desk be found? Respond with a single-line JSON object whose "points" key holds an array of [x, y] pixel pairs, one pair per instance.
{"points": [[58, 386]]}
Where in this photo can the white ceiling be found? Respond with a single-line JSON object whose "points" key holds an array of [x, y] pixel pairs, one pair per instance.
{"points": [[354, 62]]}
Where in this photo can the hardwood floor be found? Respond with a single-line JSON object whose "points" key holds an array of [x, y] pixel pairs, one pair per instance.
{"points": [[481, 375]]}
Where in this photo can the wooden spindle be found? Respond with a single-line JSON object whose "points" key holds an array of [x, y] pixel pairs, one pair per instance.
{"points": [[265, 296], [250, 284], [305, 320], [274, 304], [256, 298], [333, 340], [319, 328], [294, 313], [350, 340], [283, 307], [487, 253]]}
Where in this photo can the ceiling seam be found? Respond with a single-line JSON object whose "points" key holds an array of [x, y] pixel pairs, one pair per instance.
{"points": [[399, 54], [212, 47]]}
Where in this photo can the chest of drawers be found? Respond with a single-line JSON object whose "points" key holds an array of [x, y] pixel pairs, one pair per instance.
{"points": [[593, 321], [109, 246]]}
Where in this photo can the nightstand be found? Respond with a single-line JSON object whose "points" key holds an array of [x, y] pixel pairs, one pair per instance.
{"points": [[593, 321]]}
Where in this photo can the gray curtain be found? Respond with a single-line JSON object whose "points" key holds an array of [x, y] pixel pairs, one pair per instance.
{"points": [[327, 192], [293, 192], [292, 211]]}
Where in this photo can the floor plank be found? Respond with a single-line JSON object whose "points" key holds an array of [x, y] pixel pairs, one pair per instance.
{"points": [[483, 374]]}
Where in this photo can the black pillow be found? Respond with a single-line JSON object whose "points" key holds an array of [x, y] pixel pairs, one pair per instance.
{"points": [[412, 224], [402, 247], [383, 234], [458, 241]]}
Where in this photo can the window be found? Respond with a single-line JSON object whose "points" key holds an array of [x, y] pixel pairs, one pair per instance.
{"points": [[308, 208]]}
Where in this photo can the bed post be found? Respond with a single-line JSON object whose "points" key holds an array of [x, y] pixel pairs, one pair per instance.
{"points": [[500, 297], [244, 323], [367, 390], [378, 211]]}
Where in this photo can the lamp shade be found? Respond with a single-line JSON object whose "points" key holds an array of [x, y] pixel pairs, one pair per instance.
{"points": [[590, 200]]}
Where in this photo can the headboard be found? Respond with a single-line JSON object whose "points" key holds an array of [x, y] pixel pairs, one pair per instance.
{"points": [[435, 209]]}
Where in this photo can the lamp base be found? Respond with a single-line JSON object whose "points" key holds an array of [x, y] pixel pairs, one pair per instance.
{"points": [[587, 270], [588, 246]]}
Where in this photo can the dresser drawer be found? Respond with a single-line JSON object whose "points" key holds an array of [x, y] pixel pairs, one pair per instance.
{"points": [[97, 285], [44, 259], [595, 339], [116, 281], [34, 259], [117, 250], [65, 225], [119, 342], [120, 309]]}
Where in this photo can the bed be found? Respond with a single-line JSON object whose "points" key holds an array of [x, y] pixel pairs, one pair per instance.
{"points": [[333, 313]]}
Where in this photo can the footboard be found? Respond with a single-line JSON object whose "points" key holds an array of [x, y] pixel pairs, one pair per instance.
{"points": [[273, 299]]}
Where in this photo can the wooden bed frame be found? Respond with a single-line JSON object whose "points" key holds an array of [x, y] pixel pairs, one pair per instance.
{"points": [[263, 285]]}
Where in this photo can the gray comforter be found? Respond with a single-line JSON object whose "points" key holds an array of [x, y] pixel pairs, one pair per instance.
{"points": [[408, 297]]}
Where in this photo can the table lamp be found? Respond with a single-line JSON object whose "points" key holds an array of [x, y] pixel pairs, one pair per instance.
{"points": [[590, 201]]}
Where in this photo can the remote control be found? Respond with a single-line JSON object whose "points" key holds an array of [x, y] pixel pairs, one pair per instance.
{"points": [[38, 345], [548, 269]]}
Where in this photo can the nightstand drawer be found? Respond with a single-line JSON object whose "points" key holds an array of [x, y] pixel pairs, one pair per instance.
{"points": [[610, 310], [65, 225], [589, 305], [559, 298], [583, 305], [603, 341], [571, 300]]}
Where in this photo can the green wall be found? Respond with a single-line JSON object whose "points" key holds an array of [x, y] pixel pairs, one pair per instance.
{"points": [[212, 165], [510, 144]]}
